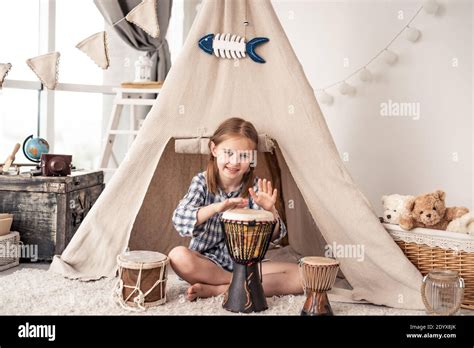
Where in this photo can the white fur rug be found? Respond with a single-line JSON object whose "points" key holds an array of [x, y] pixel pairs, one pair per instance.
{"points": [[38, 292]]}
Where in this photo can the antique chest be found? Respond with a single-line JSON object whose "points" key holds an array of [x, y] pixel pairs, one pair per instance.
{"points": [[48, 210]]}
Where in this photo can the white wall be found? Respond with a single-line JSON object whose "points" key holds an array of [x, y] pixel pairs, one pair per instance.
{"points": [[385, 154], [393, 154]]}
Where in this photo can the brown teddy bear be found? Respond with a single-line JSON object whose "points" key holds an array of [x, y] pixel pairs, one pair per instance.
{"points": [[429, 211]]}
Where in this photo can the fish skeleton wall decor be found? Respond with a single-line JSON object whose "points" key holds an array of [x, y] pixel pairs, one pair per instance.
{"points": [[231, 47]]}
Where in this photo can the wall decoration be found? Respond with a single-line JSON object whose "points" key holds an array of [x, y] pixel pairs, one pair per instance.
{"points": [[389, 57], [431, 7], [326, 98], [144, 16], [96, 47], [231, 47], [4, 69], [346, 89], [386, 54], [365, 75], [413, 34], [46, 68]]}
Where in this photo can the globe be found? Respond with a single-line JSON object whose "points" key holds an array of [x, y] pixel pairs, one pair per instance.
{"points": [[33, 148]]}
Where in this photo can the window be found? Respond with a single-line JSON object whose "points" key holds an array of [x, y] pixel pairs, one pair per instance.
{"points": [[19, 45], [75, 21], [18, 119], [18, 107], [71, 121], [73, 118], [78, 127], [78, 115]]}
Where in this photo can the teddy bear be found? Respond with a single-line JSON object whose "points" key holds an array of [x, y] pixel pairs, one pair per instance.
{"points": [[429, 211], [463, 224], [393, 207]]}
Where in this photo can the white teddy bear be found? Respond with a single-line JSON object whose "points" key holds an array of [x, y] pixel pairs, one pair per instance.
{"points": [[393, 207], [463, 224]]}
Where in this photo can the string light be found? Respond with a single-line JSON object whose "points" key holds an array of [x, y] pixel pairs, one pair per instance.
{"points": [[389, 56], [431, 7], [365, 75], [413, 34]]}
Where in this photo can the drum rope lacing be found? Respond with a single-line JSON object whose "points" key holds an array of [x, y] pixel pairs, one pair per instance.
{"points": [[139, 300]]}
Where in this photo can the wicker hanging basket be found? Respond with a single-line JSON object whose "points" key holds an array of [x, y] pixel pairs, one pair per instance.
{"points": [[428, 249]]}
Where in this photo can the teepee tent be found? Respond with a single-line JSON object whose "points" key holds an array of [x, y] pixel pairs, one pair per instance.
{"points": [[201, 91]]}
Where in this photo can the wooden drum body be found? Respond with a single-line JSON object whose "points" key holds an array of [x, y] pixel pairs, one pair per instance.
{"points": [[142, 279], [318, 275], [248, 233]]}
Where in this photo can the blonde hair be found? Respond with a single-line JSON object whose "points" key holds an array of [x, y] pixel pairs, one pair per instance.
{"points": [[232, 127]]}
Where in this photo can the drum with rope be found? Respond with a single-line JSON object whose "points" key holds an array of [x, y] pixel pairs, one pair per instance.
{"points": [[142, 279]]}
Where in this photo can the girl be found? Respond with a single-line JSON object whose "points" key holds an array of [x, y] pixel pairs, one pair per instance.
{"points": [[228, 183]]}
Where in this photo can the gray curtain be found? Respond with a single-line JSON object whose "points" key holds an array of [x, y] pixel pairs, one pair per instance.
{"points": [[157, 49]]}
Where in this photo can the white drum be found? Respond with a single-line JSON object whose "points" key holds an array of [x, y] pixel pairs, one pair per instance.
{"points": [[246, 215]]}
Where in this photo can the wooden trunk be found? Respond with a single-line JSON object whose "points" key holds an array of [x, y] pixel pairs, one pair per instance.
{"points": [[49, 210]]}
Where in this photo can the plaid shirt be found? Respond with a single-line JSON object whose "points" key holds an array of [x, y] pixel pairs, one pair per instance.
{"points": [[208, 238]]}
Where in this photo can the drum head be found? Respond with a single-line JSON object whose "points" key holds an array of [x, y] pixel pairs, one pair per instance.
{"points": [[141, 258], [319, 261], [248, 215]]}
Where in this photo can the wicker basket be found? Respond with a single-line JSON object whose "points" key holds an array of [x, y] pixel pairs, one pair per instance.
{"points": [[8, 243], [428, 249]]}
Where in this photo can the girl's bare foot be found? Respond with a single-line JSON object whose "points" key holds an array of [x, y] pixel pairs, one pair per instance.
{"points": [[205, 290]]}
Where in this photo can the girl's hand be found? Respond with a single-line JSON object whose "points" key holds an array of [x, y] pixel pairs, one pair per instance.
{"points": [[266, 196], [231, 203]]}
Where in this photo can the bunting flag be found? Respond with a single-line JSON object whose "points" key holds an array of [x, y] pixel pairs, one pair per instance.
{"points": [[144, 16], [46, 68], [96, 47], [4, 69]]}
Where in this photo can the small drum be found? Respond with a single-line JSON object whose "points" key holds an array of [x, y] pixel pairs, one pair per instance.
{"points": [[142, 279], [318, 275], [248, 233]]}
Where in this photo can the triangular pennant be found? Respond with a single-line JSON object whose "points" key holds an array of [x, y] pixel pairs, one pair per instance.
{"points": [[4, 69], [96, 47], [46, 68], [144, 16]]}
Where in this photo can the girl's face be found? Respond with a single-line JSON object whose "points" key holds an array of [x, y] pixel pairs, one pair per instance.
{"points": [[234, 156]]}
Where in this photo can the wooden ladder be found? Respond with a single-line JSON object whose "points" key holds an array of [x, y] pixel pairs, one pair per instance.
{"points": [[133, 97]]}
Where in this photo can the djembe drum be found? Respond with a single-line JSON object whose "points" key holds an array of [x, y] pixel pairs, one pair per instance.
{"points": [[247, 234], [142, 279], [318, 275]]}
